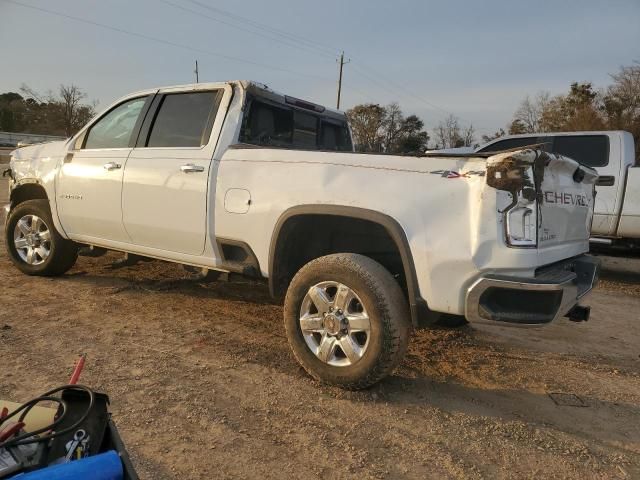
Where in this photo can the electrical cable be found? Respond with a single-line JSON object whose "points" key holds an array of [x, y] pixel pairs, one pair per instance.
{"points": [[389, 85], [320, 47], [162, 41], [269, 36], [31, 437], [307, 45]]}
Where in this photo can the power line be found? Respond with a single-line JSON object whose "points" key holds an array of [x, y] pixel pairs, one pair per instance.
{"points": [[297, 38], [268, 36], [164, 42], [363, 69], [382, 86], [318, 48], [400, 87], [321, 49], [259, 33]]}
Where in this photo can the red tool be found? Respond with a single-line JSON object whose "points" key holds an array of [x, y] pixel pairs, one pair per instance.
{"points": [[77, 370], [3, 413], [9, 430]]}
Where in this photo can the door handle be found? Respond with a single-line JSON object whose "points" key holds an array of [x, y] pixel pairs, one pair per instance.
{"points": [[111, 166], [606, 181], [190, 168]]}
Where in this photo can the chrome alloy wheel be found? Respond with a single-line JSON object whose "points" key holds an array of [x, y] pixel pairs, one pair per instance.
{"points": [[32, 239], [335, 324]]}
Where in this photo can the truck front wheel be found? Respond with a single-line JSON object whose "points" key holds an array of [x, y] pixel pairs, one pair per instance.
{"points": [[347, 320], [33, 243]]}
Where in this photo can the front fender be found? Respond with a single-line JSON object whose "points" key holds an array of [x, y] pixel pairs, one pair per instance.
{"points": [[38, 165]]}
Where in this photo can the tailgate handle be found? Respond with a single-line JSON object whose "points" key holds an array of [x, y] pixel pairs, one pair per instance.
{"points": [[606, 181]]}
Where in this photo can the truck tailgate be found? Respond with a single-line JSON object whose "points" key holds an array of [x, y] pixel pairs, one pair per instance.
{"points": [[566, 201], [546, 200]]}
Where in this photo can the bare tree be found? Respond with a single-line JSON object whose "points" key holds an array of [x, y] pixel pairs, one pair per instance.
{"points": [[468, 136], [529, 114], [63, 114], [29, 92], [74, 113], [621, 102], [392, 125], [449, 134]]}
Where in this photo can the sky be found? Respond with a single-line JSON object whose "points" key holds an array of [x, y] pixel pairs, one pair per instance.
{"points": [[473, 59]]}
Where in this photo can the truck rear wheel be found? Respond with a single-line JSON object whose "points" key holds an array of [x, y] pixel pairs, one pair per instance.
{"points": [[347, 320], [33, 243]]}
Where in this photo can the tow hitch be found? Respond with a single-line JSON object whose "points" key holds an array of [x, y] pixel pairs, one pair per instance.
{"points": [[579, 313]]}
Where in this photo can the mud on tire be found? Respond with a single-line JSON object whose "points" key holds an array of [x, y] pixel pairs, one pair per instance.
{"points": [[381, 299]]}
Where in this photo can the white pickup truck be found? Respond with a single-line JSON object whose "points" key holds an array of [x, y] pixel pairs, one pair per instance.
{"points": [[236, 177], [612, 154]]}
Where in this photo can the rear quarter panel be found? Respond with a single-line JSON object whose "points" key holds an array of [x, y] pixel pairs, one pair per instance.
{"points": [[443, 205]]}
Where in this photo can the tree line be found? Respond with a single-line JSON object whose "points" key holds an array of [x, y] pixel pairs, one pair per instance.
{"points": [[62, 113], [385, 128], [615, 107], [583, 107]]}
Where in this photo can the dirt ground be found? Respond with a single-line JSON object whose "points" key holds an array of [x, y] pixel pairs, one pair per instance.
{"points": [[203, 385]]}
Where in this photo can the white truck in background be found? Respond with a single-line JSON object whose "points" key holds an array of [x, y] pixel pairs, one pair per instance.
{"points": [[235, 177], [616, 219]]}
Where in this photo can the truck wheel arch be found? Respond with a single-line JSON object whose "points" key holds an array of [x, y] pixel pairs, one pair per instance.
{"points": [[279, 277], [27, 190], [32, 189]]}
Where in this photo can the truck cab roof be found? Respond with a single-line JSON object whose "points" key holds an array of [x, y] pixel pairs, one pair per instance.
{"points": [[252, 87]]}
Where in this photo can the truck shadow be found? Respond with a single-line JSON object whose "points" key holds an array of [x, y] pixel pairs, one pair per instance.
{"points": [[585, 417], [453, 371], [622, 276], [111, 283], [415, 388]]}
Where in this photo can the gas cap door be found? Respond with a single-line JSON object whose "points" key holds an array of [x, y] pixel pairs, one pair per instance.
{"points": [[237, 200]]}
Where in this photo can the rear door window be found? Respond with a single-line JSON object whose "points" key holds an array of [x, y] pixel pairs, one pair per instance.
{"points": [[589, 150], [269, 124], [510, 143], [184, 119], [334, 136], [305, 129]]}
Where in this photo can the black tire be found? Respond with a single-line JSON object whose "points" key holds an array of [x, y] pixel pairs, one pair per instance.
{"points": [[62, 253], [385, 305]]}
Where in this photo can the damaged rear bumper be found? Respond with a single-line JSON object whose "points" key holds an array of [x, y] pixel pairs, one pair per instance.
{"points": [[552, 293]]}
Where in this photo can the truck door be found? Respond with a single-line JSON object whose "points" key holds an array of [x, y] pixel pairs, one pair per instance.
{"points": [[165, 187], [89, 183], [597, 152]]}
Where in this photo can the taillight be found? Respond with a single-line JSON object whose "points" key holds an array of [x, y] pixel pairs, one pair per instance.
{"points": [[522, 226], [521, 216]]}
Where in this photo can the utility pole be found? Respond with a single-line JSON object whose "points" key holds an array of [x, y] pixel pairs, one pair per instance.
{"points": [[196, 72], [342, 62]]}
